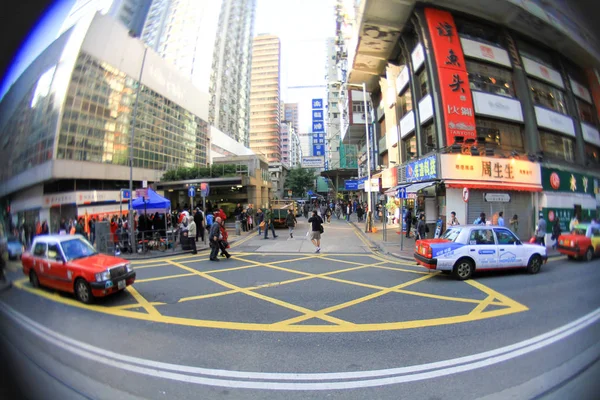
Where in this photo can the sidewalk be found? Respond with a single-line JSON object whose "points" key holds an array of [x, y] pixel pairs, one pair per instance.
{"points": [[177, 250], [392, 246]]}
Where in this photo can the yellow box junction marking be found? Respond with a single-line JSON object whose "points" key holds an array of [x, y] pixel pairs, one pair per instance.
{"points": [[292, 325]]}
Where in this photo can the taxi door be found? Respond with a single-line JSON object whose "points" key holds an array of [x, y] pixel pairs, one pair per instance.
{"points": [[595, 237], [483, 248], [510, 253], [56, 268], [39, 262]]}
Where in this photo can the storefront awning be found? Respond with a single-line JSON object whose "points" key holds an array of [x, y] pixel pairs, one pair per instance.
{"points": [[393, 191], [521, 187], [415, 187]]}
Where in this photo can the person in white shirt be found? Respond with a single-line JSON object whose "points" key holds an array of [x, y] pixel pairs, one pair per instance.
{"points": [[501, 218]]}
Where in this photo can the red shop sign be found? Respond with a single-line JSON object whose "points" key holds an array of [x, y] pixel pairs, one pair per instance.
{"points": [[457, 101]]}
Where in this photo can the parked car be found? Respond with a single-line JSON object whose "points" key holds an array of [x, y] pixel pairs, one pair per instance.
{"points": [[582, 242], [466, 248], [71, 264], [15, 247]]}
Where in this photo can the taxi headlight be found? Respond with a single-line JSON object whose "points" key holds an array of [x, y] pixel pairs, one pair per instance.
{"points": [[572, 243], [102, 276], [128, 267]]}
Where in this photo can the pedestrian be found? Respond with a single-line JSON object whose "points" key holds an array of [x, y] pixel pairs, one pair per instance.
{"points": [[316, 230], [192, 234], [328, 214], [210, 219], [480, 220], [359, 213], [260, 216], [223, 240], [421, 228], [556, 231], [290, 221], [269, 222], [244, 220], [305, 209], [238, 211], [199, 220], [501, 218], [540, 232], [349, 211], [514, 224], [453, 220], [250, 212], [214, 237], [408, 218]]}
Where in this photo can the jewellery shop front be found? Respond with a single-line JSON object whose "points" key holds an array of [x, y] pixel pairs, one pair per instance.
{"points": [[491, 185]]}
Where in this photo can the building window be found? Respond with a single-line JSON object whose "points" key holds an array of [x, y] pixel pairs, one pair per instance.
{"points": [[491, 79], [423, 82], [557, 146], [405, 102], [477, 31], [592, 153], [409, 147], [548, 96], [500, 135], [428, 132], [358, 107], [586, 112]]}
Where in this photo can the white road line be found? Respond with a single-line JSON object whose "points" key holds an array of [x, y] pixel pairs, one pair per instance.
{"points": [[300, 381]]}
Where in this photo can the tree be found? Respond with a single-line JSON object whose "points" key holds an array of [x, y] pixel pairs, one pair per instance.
{"points": [[299, 180]]}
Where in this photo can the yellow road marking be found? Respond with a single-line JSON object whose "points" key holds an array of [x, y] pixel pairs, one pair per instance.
{"points": [[207, 296], [404, 270], [481, 306], [137, 305], [143, 302], [162, 278], [446, 298], [506, 301], [230, 269], [152, 266], [258, 295], [337, 307]]}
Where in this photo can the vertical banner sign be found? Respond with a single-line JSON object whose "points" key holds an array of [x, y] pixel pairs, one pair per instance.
{"points": [[457, 103], [318, 128]]}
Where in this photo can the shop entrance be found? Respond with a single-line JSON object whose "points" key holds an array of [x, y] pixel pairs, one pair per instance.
{"points": [[511, 203]]}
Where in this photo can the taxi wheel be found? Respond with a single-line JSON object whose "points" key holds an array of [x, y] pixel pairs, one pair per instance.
{"points": [[589, 254], [463, 269], [534, 264], [83, 292], [33, 278]]}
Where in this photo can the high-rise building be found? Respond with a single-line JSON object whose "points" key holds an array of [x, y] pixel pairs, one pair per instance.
{"points": [[230, 70], [290, 113], [332, 117], [131, 13], [264, 98]]}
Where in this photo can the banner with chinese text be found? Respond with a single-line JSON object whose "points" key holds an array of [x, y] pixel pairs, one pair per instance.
{"points": [[421, 170], [457, 102], [555, 180]]}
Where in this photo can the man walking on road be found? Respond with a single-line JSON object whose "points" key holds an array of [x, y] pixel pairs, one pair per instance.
{"points": [[192, 234], [540, 233], [199, 220], [215, 232], [269, 223], [317, 227], [290, 221]]}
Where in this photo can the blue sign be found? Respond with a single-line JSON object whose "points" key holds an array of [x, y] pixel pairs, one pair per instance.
{"points": [[318, 126], [361, 182], [401, 193], [351, 185], [125, 194], [317, 104], [422, 170], [318, 150], [191, 191], [310, 193], [317, 115], [326, 165]]}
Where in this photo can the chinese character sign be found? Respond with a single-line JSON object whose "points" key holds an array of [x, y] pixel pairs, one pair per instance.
{"points": [[422, 170], [457, 101], [317, 115], [318, 144], [318, 126], [317, 104], [555, 180]]}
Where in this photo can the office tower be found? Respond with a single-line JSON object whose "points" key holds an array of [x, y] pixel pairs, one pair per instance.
{"points": [[290, 113], [264, 98], [230, 70]]}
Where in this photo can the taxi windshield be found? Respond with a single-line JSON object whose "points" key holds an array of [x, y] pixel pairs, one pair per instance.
{"points": [[451, 234], [77, 248], [579, 231]]}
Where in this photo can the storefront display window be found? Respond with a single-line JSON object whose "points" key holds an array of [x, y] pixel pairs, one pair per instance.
{"points": [[405, 102], [557, 146], [488, 78], [501, 135], [586, 112], [423, 82], [428, 132], [548, 96], [409, 147], [592, 153]]}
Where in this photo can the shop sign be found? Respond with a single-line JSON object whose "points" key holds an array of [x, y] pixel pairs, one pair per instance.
{"points": [[389, 177], [418, 56], [555, 180], [580, 91], [489, 169], [555, 121], [402, 80], [84, 197], [351, 184], [497, 197], [484, 51], [422, 170], [425, 109], [372, 185], [361, 183], [497, 106], [454, 82], [590, 134], [407, 124], [565, 215], [542, 72]]}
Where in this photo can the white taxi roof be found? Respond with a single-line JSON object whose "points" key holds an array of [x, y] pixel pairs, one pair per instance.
{"points": [[56, 238]]}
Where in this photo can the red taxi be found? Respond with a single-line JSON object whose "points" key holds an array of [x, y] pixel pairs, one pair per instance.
{"points": [[582, 242], [71, 264]]}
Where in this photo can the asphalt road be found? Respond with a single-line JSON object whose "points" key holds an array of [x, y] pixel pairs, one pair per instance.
{"points": [[279, 321]]}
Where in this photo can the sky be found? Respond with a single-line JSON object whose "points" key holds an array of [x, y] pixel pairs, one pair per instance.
{"points": [[302, 26]]}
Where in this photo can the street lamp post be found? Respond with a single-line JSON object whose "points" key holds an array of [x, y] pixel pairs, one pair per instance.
{"points": [[135, 107]]}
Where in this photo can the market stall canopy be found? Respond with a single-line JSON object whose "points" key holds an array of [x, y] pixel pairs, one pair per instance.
{"points": [[154, 201]]}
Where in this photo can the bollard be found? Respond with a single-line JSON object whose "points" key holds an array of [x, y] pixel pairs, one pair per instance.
{"points": [[238, 227]]}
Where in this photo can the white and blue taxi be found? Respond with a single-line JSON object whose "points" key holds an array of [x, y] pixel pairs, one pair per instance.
{"points": [[463, 249]]}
